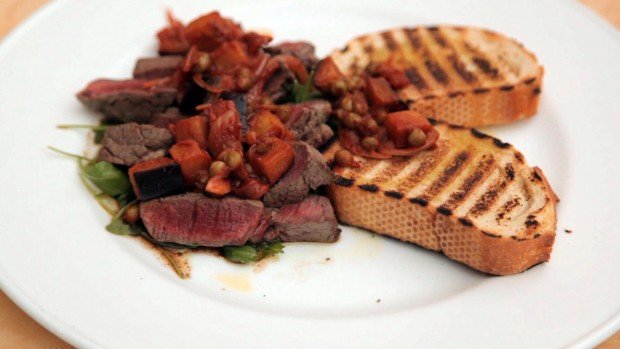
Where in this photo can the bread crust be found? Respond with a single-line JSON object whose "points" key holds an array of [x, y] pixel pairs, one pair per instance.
{"points": [[461, 75], [365, 198]]}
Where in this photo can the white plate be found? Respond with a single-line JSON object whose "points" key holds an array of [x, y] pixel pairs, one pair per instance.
{"points": [[95, 289]]}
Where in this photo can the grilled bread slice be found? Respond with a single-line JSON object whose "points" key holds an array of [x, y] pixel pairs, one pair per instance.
{"points": [[472, 197], [462, 75]]}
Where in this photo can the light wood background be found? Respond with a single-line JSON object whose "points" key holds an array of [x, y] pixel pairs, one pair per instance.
{"points": [[18, 330]]}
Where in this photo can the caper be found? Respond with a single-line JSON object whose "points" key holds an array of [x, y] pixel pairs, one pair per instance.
{"points": [[219, 168], [263, 148], [132, 214], [202, 63], [244, 79], [369, 127], [371, 68], [370, 143], [352, 120], [338, 87], [232, 158], [344, 158], [360, 106], [346, 103], [379, 116], [416, 138]]}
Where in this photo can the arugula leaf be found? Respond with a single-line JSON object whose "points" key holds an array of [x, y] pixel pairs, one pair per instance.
{"points": [[252, 253], [302, 92]]}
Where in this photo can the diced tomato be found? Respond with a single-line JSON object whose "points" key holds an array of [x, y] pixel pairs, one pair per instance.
{"points": [[379, 92], [225, 131], [264, 123], [271, 158], [172, 38], [327, 73], [255, 41], [195, 128], [193, 159], [396, 77], [211, 30], [229, 55], [399, 125], [145, 166], [218, 186], [252, 189]]}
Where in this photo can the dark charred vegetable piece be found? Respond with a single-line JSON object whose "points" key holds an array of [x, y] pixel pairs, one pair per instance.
{"points": [[172, 38], [379, 92], [252, 253], [212, 30], [193, 159], [399, 125], [156, 178], [271, 158], [328, 78], [194, 128], [241, 104]]}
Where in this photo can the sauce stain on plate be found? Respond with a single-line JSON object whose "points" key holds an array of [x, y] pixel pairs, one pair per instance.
{"points": [[235, 281]]}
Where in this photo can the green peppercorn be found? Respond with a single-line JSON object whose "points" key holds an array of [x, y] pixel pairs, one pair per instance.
{"points": [[346, 103], [232, 158], [202, 63], [370, 143], [352, 120], [219, 168]]}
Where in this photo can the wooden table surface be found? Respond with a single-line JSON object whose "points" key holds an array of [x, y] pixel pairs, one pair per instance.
{"points": [[18, 330]]}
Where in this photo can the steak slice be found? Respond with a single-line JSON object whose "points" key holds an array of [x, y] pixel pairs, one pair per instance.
{"points": [[299, 49], [156, 67], [195, 219], [305, 121], [127, 100], [170, 115], [311, 220], [131, 143], [308, 171]]}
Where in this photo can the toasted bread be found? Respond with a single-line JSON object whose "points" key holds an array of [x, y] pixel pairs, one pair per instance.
{"points": [[461, 75], [472, 197]]}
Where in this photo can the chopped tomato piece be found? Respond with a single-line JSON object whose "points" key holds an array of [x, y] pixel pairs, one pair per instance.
{"points": [[380, 93], [265, 123], [211, 30], [195, 128], [255, 41], [252, 189], [327, 74], [193, 159], [396, 77], [172, 38], [399, 125], [229, 55], [225, 131], [271, 158]]}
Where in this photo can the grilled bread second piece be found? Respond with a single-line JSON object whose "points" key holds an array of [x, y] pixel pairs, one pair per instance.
{"points": [[462, 75], [472, 197]]}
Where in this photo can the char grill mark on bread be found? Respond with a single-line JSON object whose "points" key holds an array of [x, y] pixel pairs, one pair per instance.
{"points": [[472, 198], [462, 75]]}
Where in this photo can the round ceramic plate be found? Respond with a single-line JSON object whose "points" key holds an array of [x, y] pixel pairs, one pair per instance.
{"points": [[95, 289]]}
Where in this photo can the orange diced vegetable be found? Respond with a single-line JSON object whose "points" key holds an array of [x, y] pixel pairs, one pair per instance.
{"points": [[271, 158], [327, 74], [225, 127], [218, 186], [252, 189], [265, 123], [145, 166], [172, 38], [380, 93], [211, 30], [230, 54], [194, 161], [194, 128], [399, 125]]}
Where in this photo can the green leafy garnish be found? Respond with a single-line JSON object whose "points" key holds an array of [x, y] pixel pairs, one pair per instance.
{"points": [[106, 177], [303, 92], [98, 129], [252, 253]]}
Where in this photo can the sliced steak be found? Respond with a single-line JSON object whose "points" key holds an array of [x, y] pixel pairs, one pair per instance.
{"points": [[131, 143], [127, 100], [195, 219], [299, 49], [307, 172], [170, 115], [279, 83], [156, 67], [306, 118], [318, 136], [311, 220]]}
